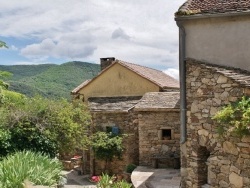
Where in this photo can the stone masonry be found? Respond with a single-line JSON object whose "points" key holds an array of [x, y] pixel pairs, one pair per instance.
{"points": [[128, 124], [151, 141], [208, 160]]}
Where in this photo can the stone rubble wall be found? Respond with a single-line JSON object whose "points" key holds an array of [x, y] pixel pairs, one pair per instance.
{"points": [[128, 124], [150, 142], [206, 158]]}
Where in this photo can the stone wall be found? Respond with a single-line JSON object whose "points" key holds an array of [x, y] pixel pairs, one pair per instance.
{"points": [[128, 124], [151, 142], [206, 158]]}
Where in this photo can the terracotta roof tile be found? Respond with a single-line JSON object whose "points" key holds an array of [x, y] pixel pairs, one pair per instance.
{"points": [[156, 76], [191, 7], [159, 101], [80, 86]]}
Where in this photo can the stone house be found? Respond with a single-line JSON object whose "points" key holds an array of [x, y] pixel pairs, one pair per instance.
{"points": [[158, 127], [214, 71], [112, 97]]}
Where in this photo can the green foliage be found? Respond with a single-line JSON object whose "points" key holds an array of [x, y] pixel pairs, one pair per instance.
{"points": [[28, 166], [49, 80], [122, 184], [107, 181], [5, 145], [234, 118], [3, 44], [41, 124], [106, 146], [10, 97], [130, 168], [5, 74], [4, 86]]}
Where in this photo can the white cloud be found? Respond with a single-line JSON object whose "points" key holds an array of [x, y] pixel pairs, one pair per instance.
{"points": [[172, 72], [30, 62], [120, 33], [67, 48], [13, 47], [141, 31]]}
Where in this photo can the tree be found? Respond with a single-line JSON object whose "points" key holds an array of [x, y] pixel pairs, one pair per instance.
{"points": [[3, 44], [4, 75], [41, 124], [3, 85], [106, 146]]}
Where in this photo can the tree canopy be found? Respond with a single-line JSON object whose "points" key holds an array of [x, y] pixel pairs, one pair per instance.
{"points": [[3, 44], [45, 125]]}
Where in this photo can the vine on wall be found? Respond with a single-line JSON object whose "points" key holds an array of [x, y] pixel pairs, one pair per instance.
{"points": [[234, 119]]}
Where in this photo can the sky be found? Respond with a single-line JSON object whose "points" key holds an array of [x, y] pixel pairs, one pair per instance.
{"points": [[43, 31]]}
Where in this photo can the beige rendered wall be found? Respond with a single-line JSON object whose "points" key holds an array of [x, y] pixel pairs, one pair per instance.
{"points": [[223, 41], [118, 81]]}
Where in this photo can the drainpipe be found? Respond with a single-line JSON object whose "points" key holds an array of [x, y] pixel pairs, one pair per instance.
{"points": [[182, 68]]}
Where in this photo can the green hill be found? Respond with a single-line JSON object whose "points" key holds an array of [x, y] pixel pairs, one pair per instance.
{"points": [[50, 80]]}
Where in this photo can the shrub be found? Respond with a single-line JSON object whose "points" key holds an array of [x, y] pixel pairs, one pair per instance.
{"points": [[234, 118], [107, 181], [106, 146], [5, 145], [130, 168], [29, 166], [44, 125]]}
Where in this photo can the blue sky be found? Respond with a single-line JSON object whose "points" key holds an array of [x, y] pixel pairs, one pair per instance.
{"points": [[44, 31]]}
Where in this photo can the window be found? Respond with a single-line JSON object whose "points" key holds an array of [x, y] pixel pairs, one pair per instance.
{"points": [[112, 129], [165, 134], [108, 129]]}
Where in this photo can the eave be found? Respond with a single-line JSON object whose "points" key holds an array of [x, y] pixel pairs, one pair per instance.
{"points": [[210, 15]]}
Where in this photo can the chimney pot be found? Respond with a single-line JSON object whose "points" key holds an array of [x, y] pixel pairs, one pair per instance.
{"points": [[105, 62]]}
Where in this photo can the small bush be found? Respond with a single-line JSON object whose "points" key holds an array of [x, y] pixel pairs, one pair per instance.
{"points": [[130, 168], [107, 181], [107, 146], [29, 166], [234, 118]]}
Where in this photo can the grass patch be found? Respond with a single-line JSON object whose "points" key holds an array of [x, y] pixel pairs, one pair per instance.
{"points": [[29, 166]]}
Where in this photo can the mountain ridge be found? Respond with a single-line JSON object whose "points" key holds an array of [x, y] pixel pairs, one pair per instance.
{"points": [[49, 80]]}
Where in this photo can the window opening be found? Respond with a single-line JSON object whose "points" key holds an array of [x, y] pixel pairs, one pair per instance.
{"points": [[166, 134]]}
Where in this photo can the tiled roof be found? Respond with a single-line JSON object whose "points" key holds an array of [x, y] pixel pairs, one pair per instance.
{"points": [[112, 104], [191, 7], [158, 77], [159, 101], [80, 86], [240, 76]]}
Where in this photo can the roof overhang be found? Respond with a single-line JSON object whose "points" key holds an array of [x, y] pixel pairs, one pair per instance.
{"points": [[157, 109], [211, 15]]}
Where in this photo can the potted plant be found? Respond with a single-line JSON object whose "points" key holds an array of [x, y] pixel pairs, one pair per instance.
{"points": [[128, 171], [130, 168]]}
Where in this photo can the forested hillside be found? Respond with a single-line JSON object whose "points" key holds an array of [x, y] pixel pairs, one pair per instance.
{"points": [[49, 80]]}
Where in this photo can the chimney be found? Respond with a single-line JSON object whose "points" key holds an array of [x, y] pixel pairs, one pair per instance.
{"points": [[105, 62]]}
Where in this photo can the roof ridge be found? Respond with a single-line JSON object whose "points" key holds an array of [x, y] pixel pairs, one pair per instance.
{"points": [[144, 75], [138, 65], [158, 77]]}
